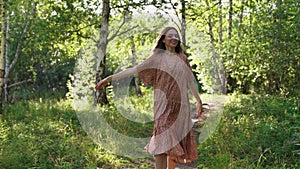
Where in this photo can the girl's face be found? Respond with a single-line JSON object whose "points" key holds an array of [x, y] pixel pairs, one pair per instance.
{"points": [[171, 39]]}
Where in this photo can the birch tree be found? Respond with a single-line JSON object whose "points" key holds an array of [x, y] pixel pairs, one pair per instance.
{"points": [[2, 54], [183, 23], [213, 50], [134, 57], [10, 65], [100, 95], [222, 75]]}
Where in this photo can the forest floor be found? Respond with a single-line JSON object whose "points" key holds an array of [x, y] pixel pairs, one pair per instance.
{"points": [[260, 132]]}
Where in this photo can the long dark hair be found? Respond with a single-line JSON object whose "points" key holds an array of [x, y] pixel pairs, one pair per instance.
{"points": [[160, 46]]}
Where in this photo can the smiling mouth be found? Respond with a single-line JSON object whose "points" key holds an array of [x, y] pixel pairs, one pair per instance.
{"points": [[174, 42]]}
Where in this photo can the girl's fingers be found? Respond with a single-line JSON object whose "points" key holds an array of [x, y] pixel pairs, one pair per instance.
{"points": [[100, 85], [103, 82], [199, 112]]}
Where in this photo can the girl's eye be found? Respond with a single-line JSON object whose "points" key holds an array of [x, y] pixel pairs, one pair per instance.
{"points": [[170, 36]]}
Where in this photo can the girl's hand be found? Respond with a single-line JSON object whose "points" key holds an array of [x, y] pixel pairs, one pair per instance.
{"points": [[103, 82], [199, 109]]}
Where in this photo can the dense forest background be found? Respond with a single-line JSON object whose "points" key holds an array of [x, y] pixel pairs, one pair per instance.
{"points": [[246, 50]]}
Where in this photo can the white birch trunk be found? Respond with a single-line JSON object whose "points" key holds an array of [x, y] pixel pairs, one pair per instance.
{"points": [[230, 11], [183, 24], [6, 59], [221, 66], [213, 50], [228, 50], [136, 77], [2, 54], [100, 95], [9, 66], [240, 26]]}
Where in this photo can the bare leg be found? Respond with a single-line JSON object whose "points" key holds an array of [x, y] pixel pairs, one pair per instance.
{"points": [[171, 163], [161, 161]]}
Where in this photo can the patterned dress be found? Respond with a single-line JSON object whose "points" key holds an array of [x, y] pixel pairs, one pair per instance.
{"points": [[171, 77]]}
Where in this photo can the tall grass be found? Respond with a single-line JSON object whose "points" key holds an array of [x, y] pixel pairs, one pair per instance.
{"points": [[254, 132], [47, 134]]}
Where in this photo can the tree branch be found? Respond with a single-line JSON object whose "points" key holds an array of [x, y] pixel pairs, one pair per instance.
{"points": [[121, 33], [116, 33], [132, 4], [207, 8], [19, 83], [177, 14], [77, 31], [158, 7]]}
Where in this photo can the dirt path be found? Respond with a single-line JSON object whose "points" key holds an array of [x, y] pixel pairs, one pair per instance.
{"points": [[178, 166]]}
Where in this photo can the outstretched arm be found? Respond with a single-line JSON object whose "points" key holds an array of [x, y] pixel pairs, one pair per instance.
{"points": [[117, 76]]}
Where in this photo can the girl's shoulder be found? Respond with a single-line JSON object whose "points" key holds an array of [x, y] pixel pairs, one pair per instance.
{"points": [[183, 56]]}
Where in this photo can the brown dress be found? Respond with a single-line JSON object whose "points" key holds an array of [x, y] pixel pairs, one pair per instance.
{"points": [[171, 77]]}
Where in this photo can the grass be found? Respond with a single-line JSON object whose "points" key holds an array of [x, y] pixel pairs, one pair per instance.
{"points": [[47, 134], [254, 132]]}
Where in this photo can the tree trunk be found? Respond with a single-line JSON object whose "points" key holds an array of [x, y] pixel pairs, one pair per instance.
{"points": [[239, 29], [9, 66], [183, 23], [228, 50], [2, 54], [18, 50], [100, 95], [136, 78], [221, 66], [213, 48], [6, 59], [230, 11]]}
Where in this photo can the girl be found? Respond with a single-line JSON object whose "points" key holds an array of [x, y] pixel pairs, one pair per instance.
{"points": [[168, 70]]}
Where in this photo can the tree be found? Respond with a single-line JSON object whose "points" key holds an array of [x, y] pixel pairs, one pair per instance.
{"points": [[134, 56], [218, 67], [212, 23], [37, 51], [222, 72], [100, 95], [2, 54], [10, 65]]}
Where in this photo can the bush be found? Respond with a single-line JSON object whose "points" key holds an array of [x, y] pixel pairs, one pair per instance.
{"points": [[255, 132], [47, 134]]}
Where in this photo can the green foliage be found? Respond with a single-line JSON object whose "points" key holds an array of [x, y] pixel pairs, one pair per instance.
{"points": [[47, 134], [120, 49], [55, 34], [200, 59], [255, 132], [266, 61], [262, 55]]}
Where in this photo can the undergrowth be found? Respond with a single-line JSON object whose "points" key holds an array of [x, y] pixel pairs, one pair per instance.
{"points": [[47, 134], [254, 132]]}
